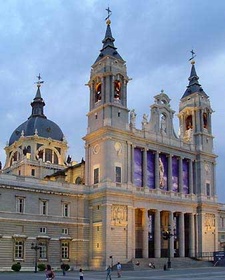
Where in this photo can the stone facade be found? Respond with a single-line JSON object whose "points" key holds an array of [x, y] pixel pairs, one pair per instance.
{"points": [[134, 186]]}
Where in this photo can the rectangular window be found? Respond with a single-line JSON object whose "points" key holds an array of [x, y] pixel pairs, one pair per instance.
{"points": [[19, 249], [96, 175], [42, 250], [20, 204], [65, 231], [207, 189], [32, 172], [43, 230], [65, 209], [65, 250], [118, 174], [43, 207]]}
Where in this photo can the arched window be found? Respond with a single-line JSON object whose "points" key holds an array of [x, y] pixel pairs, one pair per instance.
{"points": [[188, 122], [205, 120], [98, 92], [78, 181], [117, 89]]}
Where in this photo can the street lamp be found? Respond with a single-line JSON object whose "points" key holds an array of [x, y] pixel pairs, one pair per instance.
{"points": [[35, 247], [166, 236]]}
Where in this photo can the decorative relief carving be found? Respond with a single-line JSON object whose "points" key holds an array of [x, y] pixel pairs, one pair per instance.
{"points": [[118, 148], [209, 222], [96, 149], [119, 215]]}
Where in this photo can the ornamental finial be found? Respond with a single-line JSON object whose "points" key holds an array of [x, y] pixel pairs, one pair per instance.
{"points": [[40, 81]]}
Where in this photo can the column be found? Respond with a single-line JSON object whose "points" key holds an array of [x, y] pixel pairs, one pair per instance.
{"points": [[145, 233], [129, 163], [181, 235], [171, 240], [144, 168], [181, 174], [169, 172], [131, 233], [190, 177], [191, 236], [157, 234], [132, 163], [157, 170], [106, 230]]}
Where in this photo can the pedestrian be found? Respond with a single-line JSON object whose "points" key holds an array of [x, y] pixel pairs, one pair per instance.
{"points": [[108, 275], [63, 267], [81, 274], [118, 267], [49, 273]]}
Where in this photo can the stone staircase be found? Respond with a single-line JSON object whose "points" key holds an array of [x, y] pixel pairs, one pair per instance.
{"points": [[161, 262]]}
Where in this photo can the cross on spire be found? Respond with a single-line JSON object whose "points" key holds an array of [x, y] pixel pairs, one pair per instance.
{"points": [[109, 14], [193, 55]]}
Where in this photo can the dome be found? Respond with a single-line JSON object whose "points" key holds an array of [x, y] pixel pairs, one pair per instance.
{"points": [[37, 123]]}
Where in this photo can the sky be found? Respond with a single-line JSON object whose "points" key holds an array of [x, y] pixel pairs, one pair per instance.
{"points": [[61, 39]]}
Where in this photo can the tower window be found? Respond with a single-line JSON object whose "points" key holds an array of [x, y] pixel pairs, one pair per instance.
{"points": [[207, 189], [98, 92], [96, 175], [119, 114], [117, 90], [189, 123], [205, 120]]}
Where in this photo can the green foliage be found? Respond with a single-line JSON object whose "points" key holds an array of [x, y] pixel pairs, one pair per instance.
{"points": [[67, 267], [41, 266], [16, 267]]}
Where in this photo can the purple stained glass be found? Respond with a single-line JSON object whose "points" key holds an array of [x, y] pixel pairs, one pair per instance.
{"points": [[150, 170], [185, 176], [163, 172], [175, 174], [138, 167]]}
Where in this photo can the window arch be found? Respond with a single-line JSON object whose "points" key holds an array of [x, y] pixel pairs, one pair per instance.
{"points": [[98, 91], [78, 181], [117, 89], [189, 122]]}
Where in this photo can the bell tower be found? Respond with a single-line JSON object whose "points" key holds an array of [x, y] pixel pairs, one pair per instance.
{"points": [[195, 115], [196, 130], [108, 87]]}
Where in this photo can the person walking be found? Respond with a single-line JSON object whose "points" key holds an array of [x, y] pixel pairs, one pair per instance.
{"points": [[63, 267], [81, 274], [108, 275], [118, 268], [49, 273]]}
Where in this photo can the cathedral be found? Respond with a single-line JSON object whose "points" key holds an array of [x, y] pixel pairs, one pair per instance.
{"points": [[137, 193]]}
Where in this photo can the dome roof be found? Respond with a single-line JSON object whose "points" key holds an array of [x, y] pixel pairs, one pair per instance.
{"points": [[37, 123]]}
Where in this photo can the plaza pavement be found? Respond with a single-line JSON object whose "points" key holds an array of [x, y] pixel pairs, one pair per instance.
{"points": [[210, 273]]}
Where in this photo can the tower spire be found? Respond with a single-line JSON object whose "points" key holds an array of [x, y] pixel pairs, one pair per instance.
{"points": [[194, 85], [38, 103], [108, 48]]}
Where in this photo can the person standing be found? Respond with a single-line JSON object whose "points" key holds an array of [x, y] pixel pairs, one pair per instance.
{"points": [[81, 274], [108, 275], [63, 267], [118, 267]]}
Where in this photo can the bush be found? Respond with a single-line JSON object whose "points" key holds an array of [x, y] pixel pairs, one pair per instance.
{"points": [[67, 267], [16, 267], [41, 266]]}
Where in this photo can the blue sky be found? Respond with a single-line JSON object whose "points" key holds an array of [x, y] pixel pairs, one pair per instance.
{"points": [[62, 39]]}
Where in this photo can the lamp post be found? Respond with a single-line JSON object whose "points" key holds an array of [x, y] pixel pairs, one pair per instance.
{"points": [[35, 247], [166, 236]]}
